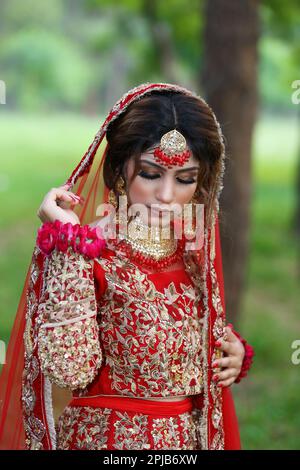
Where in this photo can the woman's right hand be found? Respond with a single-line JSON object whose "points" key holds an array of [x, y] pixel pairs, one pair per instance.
{"points": [[56, 206]]}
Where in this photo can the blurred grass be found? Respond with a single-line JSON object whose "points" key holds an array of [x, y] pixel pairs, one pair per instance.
{"points": [[39, 152]]}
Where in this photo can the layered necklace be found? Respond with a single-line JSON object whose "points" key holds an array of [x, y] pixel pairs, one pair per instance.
{"points": [[150, 246]]}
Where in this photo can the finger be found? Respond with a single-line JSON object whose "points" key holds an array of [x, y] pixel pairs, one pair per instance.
{"points": [[226, 340], [64, 195], [67, 185], [223, 362], [225, 374], [69, 193], [229, 335], [65, 200], [222, 345], [63, 204], [68, 203], [226, 383], [220, 341]]}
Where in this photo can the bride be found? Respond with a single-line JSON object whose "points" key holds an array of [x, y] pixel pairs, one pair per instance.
{"points": [[122, 309]]}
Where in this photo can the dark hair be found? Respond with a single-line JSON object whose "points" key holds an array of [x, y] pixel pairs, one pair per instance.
{"points": [[145, 121]]}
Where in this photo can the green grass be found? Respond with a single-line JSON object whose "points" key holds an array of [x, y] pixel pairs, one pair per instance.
{"points": [[39, 152]]}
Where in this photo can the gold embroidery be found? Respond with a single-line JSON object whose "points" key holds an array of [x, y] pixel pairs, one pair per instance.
{"points": [[88, 428], [212, 395], [70, 291], [130, 432], [217, 328], [83, 428], [151, 339], [34, 428], [70, 354], [68, 339], [189, 431], [167, 432]]}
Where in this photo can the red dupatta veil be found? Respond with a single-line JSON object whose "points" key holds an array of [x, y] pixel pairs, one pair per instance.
{"points": [[26, 420]]}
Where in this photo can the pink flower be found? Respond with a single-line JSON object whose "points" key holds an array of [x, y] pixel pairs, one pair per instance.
{"points": [[47, 236], [91, 243], [65, 236], [79, 236], [82, 239]]}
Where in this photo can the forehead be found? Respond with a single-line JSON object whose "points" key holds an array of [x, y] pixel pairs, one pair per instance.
{"points": [[149, 156]]}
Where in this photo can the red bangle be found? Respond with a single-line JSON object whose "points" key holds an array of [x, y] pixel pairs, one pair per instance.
{"points": [[248, 358], [82, 239]]}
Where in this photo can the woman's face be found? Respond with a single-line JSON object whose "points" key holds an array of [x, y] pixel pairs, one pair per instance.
{"points": [[161, 187]]}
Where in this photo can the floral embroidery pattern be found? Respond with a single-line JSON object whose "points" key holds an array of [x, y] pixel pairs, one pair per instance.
{"points": [[35, 430], [87, 428], [130, 431], [70, 354], [69, 291], [151, 340], [68, 339], [210, 418], [83, 428], [217, 327], [168, 433]]}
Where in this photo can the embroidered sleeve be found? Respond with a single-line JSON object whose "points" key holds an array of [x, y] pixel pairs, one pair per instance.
{"points": [[248, 358], [68, 338]]}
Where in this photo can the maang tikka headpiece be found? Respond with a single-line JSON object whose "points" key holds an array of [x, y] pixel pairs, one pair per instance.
{"points": [[172, 150]]}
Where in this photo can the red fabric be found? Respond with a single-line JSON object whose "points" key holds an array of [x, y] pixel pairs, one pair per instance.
{"points": [[12, 432], [159, 409], [102, 384], [231, 426], [128, 424]]}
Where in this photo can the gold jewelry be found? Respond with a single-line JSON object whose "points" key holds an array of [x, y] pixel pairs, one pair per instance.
{"points": [[156, 255], [151, 241], [120, 188], [172, 149], [191, 231]]}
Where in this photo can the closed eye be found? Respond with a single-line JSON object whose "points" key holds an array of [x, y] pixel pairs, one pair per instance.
{"points": [[154, 176]]}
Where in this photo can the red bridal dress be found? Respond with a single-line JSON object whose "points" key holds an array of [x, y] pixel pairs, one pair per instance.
{"points": [[116, 336]]}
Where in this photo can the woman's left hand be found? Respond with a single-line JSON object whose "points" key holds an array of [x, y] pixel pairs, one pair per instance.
{"points": [[232, 362]]}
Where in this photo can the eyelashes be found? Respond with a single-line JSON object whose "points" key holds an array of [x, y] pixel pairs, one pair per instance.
{"points": [[143, 174]]}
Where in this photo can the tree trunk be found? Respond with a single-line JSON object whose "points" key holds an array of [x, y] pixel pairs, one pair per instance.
{"points": [[229, 79]]}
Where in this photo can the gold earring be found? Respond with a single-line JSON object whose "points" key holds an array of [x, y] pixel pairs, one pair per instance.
{"points": [[191, 232], [120, 188]]}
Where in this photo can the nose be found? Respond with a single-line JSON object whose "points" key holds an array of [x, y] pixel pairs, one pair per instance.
{"points": [[166, 191]]}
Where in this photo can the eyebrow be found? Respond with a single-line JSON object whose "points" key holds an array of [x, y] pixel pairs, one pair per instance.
{"points": [[161, 168]]}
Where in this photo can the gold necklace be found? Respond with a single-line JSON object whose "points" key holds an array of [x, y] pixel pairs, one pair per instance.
{"points": [[154, 247]]}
